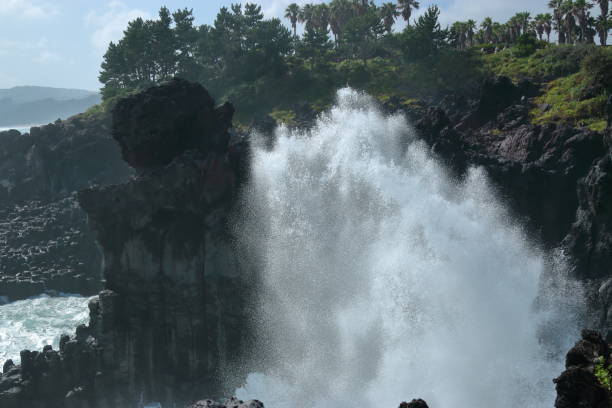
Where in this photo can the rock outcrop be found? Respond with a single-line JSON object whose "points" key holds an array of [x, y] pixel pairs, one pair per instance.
{"points": [[578, 385], [231, 403], [45, 244], [151, 133], [415, 403], [171, 322], [556, 178]]}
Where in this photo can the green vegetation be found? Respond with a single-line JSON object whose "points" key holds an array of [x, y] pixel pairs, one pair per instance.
{"points": [[579, 98], [603, 373], [263, 66], [546, 63]]}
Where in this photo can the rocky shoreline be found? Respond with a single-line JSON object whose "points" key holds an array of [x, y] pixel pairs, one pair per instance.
{"points": [[45, 242], [172, 317]]}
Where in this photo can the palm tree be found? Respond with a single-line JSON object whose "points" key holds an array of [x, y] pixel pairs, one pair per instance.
{"points": [[580, 10], [388, 14], [602, 26], [539, 25], [557, 6], [567, 8], [292, 13], [458, 33], [604, 6], [406, 7], [547, 20], [498, 33], [306, 15], [523, 20], [487, 27], [470, 26], [340, 11], [321, 16]]}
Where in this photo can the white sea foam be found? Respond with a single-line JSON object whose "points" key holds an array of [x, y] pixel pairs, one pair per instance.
{"points": [[386, 280], [33, 323]]}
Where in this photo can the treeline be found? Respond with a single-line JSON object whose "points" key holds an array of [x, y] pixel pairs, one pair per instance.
{"points": [[572, 20], [243, 47]]}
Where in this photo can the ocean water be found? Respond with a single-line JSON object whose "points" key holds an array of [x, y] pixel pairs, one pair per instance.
{"points": [[386, 279], [33, 323]]}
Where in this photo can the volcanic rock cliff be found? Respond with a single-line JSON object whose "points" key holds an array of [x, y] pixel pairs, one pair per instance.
{"points": [[556, 178], [45, 243], [171, 322]]}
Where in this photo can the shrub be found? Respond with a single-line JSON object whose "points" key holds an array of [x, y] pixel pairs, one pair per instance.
{"points": [[603, 374]]}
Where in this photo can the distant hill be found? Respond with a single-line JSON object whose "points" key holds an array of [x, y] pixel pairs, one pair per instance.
{"points": [[25, 105]]}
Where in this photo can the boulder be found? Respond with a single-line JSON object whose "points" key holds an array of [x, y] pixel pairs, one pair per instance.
{"points": [[578, 385], [151, 132], [415, 403]]}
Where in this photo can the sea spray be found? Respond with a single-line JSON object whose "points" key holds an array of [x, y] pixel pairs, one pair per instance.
{"points": [[385, 279], [33, 323]]}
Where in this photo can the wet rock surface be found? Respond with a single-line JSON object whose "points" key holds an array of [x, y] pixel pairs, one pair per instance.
{"points": [[578, 385], [171, 321], [231, 403], [151, 133], [45, 243], [555, 178], [415, 403], [47, 246]]}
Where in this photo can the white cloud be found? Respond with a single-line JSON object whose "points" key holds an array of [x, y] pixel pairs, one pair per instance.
{"points": [[498, 10], [110, 22], [27, 9], [47, 57], [276, 8], [22, 47]]}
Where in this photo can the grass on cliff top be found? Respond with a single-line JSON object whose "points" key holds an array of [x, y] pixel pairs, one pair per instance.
{"points": [[578, 99], [545, 64], [566, 103]]}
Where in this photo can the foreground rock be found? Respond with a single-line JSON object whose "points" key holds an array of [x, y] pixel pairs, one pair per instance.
{"points": [[170, 324], [231, 403], [45, 243], [416, 403], [578, 385]]}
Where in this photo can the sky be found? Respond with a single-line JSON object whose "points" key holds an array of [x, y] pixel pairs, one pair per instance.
{"points": [[60, 43]]}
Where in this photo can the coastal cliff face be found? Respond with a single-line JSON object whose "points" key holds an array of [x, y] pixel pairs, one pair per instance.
{"points": [[171, 324], [45, 242], [557, 179]]}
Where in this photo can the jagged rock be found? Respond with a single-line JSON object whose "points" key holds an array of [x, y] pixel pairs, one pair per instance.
{"points": [[8, 364], [536, 168], [415, 403], [152, 133], [171, 317], [45, 243], [578, 386], [590, 239], [497, 94], [231, 403]]}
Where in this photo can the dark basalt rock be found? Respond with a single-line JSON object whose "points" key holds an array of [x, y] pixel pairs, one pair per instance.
{"points": [[495, 95], [536, 168], [152, 133], [590, 239], [578, 386], [415, 403], [45, 244], [231, 403], [555, 179], [170, 324]]}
